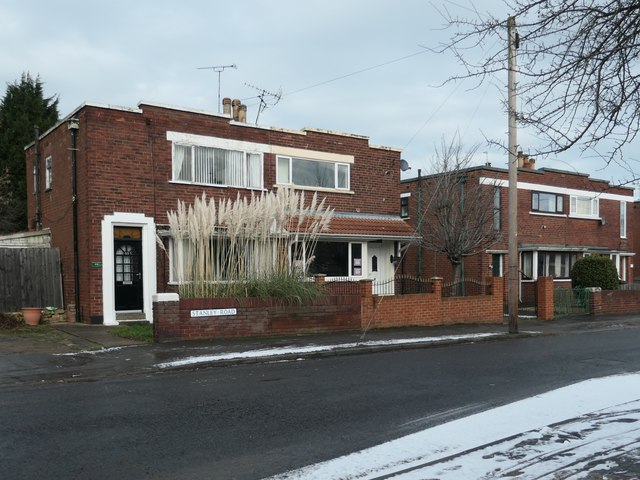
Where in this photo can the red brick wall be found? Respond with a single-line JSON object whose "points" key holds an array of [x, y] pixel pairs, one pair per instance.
{"points": [[254, 318], [431, 309], [614, 302]]}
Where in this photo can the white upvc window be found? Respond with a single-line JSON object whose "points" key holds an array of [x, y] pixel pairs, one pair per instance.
{"points": [[582, 206], [623, 219], [312, 173], [217, 166]]}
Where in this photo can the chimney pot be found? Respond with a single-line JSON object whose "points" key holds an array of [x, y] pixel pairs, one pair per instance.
{"points": [[235, 104], [226, 106], [242, 113]]}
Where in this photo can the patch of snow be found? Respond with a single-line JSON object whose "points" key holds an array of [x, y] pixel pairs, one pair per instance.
{"points": [[309, 349], [590, 426]]}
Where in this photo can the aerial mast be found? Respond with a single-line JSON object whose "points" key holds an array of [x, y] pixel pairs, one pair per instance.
{"points": [[219, 69]]}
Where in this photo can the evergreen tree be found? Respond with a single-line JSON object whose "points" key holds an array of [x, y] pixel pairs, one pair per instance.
{"points": [[23, 108]]}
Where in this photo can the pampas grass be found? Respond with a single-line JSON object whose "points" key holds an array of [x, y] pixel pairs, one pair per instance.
{"points": [[260, 247]]}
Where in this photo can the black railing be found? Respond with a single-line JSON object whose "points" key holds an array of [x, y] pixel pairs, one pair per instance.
{"points": [[465, 288]]}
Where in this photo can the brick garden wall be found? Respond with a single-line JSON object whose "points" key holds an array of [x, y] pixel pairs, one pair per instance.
{"points": [[614, 302], [254, 317], [429, 309]]}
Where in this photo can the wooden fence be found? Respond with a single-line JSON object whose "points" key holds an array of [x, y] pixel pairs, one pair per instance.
{"points": [[30, 277]]}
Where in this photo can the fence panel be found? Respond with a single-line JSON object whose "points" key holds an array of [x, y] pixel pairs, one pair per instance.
{"points": [[30, 277], [570, 301]]}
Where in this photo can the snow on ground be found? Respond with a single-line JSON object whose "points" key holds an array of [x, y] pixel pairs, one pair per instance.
{"points": [[587, 430], [308, 349]]}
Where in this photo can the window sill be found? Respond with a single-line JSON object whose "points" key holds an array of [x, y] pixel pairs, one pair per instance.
{"points": [[180, 182], [314, 189], [585, 217], [547, 214]]}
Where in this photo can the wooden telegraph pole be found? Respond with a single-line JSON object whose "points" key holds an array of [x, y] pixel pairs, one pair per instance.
{"points": [[514, 280]]}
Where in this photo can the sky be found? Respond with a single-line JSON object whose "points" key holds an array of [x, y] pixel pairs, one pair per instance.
{"points": [[353, 66]]}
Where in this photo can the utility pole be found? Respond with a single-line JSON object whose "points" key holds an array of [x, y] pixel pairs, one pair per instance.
{"points": [[514, 280]]}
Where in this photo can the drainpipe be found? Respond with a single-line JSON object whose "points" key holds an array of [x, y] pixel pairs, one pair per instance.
{"points": [[36, 177], [74, 124], [420, 222]]}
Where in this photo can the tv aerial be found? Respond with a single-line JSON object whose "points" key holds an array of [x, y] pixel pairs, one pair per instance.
{"points": [[219, 69], [267, 99]]}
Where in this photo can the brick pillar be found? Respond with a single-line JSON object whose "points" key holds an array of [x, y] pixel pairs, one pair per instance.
{"points": [[496, 291], [544, 292], [366, 303], [166, 315], [595, 302], [436, 286]]}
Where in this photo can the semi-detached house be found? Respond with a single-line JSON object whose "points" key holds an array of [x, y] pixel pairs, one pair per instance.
{"points": [[104, 178], [562, 216]]}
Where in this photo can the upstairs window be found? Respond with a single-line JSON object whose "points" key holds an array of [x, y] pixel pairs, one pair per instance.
{"points": [[404, 205], [623, 219], [312, 173], [585, 207], [547, 202], [48, 173], [216, 166], [496, 209]]}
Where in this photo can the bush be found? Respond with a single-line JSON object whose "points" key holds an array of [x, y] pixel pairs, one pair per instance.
{"points": [[10, 321], [595, 271]]}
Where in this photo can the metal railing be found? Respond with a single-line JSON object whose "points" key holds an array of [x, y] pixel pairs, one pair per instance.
{"points": [[571, 301], [464, 288]]}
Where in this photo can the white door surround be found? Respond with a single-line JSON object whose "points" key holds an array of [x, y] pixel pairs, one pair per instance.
{"points": [[148, 227]]}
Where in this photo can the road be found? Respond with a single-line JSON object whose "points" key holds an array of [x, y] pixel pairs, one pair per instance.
{"points": [[253, 421]]}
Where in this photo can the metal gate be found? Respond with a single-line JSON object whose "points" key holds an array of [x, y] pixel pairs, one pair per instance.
{"points": [[571, 301]]}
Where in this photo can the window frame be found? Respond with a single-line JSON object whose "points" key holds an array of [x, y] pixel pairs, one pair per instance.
{"points": [[340, 170], [404, 205], [48, 173], [559, 202], [594, 206], [623, 219], [246, 172]]}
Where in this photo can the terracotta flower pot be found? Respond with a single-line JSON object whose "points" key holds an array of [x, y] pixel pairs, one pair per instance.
{"points": [[31, 315]]}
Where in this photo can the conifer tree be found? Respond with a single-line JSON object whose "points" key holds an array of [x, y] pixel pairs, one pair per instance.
{"points": [[23, 108]]}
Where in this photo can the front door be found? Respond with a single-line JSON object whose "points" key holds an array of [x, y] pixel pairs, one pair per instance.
{"points": [[128, 268], [379, 267]]}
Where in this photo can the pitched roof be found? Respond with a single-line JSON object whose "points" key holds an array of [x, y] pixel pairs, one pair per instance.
{"points": [[373, 227]]}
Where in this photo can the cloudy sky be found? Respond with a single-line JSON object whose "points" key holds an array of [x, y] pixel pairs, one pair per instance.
{"points": [[355, 66]]}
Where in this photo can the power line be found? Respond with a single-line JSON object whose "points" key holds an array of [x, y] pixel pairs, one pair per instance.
{"points": [[354, 73]]}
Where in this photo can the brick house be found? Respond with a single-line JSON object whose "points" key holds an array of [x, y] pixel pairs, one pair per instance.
{"points": [[561, 216], [105, 177]]}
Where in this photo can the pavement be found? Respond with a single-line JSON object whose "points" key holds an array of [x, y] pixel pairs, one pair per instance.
{"points": [[66, 352]]}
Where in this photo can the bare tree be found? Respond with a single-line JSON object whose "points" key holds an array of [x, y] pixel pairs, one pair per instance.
{"points": [[459, 210], [578, 68]]}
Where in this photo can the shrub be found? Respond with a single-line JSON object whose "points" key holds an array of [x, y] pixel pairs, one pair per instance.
{"points": [[595, 271], [10, 321]]}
